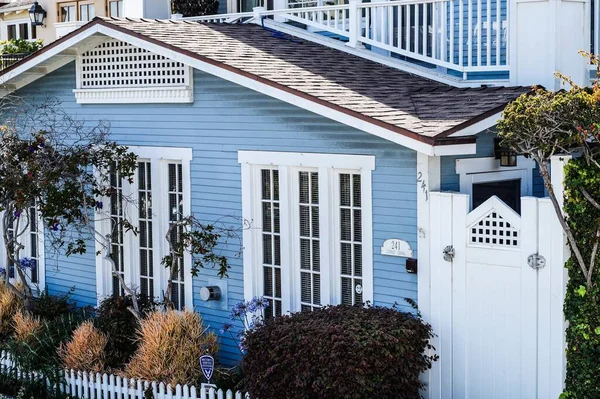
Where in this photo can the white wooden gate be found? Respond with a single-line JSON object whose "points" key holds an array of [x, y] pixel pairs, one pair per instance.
{"points": [[497, 286]]}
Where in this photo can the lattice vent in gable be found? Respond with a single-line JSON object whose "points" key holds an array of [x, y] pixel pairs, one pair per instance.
{"points": [[116, 64], [493, 229]]}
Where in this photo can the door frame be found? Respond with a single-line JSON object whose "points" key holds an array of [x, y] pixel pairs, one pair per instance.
{"points": [[487, 169]]}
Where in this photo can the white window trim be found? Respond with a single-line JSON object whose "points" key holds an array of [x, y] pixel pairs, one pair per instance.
{"points": [[159, 157], [328, 166], [17, 22], [26, 253], [488, 169]]}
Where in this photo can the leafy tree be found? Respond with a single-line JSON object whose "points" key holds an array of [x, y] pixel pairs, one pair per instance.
{"points": [[49, 162], [61, 168], [542, 124], [189, 234]]}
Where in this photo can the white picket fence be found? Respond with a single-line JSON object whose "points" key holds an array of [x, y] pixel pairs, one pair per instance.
{"points": [[86, 385]]}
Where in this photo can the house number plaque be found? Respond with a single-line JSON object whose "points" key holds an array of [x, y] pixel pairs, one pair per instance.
{"points": [[396, 247]]}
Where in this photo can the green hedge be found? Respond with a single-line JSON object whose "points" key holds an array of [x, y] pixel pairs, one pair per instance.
{"points": [[582, 307]]}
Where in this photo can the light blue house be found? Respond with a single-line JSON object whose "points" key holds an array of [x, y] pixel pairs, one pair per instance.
{"points": [[326, 160]]}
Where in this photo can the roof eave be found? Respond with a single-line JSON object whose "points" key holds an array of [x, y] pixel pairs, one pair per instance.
{"points": [[428, 145]]}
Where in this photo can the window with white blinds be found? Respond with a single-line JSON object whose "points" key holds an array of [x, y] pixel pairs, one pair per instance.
{"points": [[271, 248], [310, 258], [116, 229], [176, 214], [310, 215], [145, 216], [156, 199], [351, 239]]}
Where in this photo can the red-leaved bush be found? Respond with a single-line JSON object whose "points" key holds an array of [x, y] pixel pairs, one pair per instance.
{"points": [[338, 352]]}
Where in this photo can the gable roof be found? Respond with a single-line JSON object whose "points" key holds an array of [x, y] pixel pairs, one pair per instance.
{"points": [[315, 77]]}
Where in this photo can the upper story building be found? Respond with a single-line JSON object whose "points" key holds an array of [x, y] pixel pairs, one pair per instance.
{"points": [[65, 16], [459, 42], [464, 43]]}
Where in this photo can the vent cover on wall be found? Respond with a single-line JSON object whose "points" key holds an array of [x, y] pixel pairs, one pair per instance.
{"points": [[117, 72]]}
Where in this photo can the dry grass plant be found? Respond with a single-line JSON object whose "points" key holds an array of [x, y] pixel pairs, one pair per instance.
{"points": [[170, 344], [10, 305], [85, 350], [25, 326]]}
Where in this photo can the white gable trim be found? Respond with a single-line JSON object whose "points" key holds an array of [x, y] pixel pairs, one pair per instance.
{"points": [[478, 127], [234, 77]]}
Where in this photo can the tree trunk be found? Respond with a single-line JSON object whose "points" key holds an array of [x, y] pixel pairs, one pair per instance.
{"points": [[565, 226]]}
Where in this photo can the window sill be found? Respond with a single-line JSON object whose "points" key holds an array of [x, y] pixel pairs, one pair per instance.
{"points": [[139, 95]]}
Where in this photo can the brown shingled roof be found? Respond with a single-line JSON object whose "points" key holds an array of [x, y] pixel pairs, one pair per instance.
{"points": [[408, 104]]}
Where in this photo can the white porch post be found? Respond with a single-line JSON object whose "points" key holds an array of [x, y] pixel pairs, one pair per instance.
{"points": [[428, 179], [545, 37], [354, 23], [279, 5]]}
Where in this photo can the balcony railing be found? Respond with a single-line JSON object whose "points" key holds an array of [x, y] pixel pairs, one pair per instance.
{"points": [[7, 60], [467, 39]]}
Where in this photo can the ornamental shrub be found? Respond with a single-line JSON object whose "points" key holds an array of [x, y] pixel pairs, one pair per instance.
{"points": [[170, 344], [19, 46], [114, 319], [49, 307], [338, 352]]}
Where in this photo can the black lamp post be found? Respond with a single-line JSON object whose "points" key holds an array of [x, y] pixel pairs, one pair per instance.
{"points": [[506, 156], [37, 14]]}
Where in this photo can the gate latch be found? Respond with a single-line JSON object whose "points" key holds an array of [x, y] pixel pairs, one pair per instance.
{"points": [[449, 253], [536, 261]]}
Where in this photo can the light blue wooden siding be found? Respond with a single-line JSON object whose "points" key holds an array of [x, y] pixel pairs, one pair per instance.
{"points": [[485, 148], [226, 118], [74, 272]]}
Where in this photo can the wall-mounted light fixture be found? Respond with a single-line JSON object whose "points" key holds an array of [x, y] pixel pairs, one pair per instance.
{"points": [[506, 156], [37, 15]]}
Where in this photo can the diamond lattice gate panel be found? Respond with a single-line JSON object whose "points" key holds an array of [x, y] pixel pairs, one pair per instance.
{"points": [[497, 310]]}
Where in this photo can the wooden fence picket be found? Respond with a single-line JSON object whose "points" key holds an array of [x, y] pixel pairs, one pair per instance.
{"points": [[88, 385]]}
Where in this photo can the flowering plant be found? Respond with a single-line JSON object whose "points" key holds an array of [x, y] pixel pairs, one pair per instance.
{"points": [[250, 314]]}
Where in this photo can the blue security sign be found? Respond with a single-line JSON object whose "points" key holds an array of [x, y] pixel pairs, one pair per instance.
{"points": [[207, 365]]}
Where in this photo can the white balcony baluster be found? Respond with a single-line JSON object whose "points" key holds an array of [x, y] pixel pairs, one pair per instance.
{"points": [[433, 33]]}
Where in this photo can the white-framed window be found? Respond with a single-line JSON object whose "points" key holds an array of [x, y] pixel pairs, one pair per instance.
{"points": [[30, 232], [310, 238], [18, 29], [115, 8], [159, 195], [483, 177]]}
